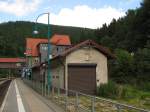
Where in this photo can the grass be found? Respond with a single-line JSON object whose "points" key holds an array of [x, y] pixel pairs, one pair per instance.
{"points": [[125, 94], [139, 99]]}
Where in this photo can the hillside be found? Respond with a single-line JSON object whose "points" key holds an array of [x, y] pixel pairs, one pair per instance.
{"points": [[129, 33], [13, 34]]}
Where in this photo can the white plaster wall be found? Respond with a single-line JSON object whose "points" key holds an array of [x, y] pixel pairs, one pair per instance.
{"points": [[89, 55]]}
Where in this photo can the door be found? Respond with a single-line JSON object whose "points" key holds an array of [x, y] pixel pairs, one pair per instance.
{"points": [[82, 78]]}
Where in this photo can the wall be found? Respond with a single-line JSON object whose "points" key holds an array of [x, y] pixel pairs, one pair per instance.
{"points": [[43, 52], [58, 49], [54, 50], [36, 74], [11, 65], [57, 74], [89, 55], [32, 61]]}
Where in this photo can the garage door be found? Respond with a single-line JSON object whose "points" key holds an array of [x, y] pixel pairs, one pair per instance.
{"points": [[82, 78]]}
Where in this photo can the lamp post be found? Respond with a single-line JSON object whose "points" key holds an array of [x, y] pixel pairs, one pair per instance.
{"points": [[29, 65], [48, 52]]}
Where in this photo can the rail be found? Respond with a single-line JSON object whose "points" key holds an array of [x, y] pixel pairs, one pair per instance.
{"points": [[1, 79], [3, 89], [73, 101]]}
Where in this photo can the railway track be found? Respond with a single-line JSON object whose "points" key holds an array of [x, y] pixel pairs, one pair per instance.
{"points": [[4, 84]]}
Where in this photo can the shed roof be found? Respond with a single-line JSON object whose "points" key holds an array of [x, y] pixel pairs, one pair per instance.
{"points": [[12, 60], [91, 43]]}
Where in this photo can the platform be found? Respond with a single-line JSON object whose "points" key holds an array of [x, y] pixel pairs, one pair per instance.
{"points": [[21, 98]]}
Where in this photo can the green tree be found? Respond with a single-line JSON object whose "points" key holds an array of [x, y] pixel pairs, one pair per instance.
{"points": [[142, 58], [122, 69]]}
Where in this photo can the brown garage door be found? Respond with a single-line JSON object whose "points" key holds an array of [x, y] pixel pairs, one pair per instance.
{"points": [[82, 78]]}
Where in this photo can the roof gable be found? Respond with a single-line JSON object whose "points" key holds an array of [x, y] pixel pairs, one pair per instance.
{"points": [[60, 40], [31, 45], [89, 43]]}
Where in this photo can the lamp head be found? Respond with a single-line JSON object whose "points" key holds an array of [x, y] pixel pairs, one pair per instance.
{"points": [[35, 32]]}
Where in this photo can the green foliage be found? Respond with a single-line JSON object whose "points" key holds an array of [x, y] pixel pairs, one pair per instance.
{"points": [[107, 41], [144, 86], [124, 93], [122, 68], [124, 57], [13, 36], [131, 68], [142, 58], [115, 91], [130, 32], [133, 96], [129, 92], [108, 90], [3, 73]]}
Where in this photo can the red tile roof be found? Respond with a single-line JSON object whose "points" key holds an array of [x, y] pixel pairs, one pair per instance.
{"points": [[60, 40], [31, 45], [11, 60]]}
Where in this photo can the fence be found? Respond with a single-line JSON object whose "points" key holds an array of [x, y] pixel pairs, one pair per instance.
{"points": [[73, 101]]}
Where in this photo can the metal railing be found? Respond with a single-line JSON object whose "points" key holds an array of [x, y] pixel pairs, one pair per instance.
{"points": [[73, 101]]}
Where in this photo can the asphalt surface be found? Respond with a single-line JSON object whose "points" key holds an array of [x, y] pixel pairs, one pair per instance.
{"points": [[11, 100], [21, 98]]}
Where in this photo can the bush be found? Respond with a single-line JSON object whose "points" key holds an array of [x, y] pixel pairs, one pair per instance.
{"points": [[145, 86], [129, 92], [145, 95], [109, 90], [122, 92]]}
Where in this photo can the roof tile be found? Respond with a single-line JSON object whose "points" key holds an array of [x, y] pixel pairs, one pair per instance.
{"points": [[60, 40], [31, 45], [11, 60]]}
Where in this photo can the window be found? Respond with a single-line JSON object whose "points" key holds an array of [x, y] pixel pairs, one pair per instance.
{"points": [[45, 48], [57, 49], [36, 60], [57, 77]]}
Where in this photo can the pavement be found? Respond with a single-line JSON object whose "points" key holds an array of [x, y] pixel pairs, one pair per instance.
{"points": [[21, 98]]}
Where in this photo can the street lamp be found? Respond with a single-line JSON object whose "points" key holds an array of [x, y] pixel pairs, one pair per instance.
{"points": [[48, 53]]}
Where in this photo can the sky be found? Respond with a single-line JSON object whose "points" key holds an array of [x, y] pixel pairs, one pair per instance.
{"points": [[81, 13]]}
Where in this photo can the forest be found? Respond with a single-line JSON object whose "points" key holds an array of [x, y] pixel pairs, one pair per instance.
{"points": [[128, 38]]}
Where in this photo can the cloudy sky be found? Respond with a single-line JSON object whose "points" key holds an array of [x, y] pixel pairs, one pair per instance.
{"points": [[81, 13]]}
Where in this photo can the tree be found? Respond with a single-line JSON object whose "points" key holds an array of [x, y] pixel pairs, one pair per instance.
{"points": [[123, 67], [142, 58]]}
